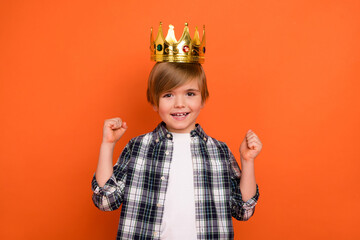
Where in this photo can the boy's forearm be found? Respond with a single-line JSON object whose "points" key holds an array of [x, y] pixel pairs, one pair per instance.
{"points": [[104, 168], [247, 180]]}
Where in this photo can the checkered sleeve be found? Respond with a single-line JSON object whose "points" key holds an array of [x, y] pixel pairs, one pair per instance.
{"points": [[111, 195], [239, 209]]}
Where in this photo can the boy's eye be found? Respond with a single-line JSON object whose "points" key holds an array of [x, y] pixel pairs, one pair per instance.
{"points": [[191, 94], [167, 95]]}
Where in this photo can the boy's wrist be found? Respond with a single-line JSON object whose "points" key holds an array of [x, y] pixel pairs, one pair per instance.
{"points": [[107, 145], [247, 162]]}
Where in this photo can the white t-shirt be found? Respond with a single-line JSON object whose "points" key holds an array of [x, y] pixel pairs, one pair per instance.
{"points": [[178, 221]]}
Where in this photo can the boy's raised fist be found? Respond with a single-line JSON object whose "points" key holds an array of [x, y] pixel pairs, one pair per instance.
{"points": [[113, 129], [250, 146]]}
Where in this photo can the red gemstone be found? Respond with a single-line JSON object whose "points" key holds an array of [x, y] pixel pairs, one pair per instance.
{"points": [[186, 48]]}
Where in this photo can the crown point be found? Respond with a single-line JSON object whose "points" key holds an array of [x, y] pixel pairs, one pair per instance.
{"points": [[186, 24], [196, 39], [170, 38]]}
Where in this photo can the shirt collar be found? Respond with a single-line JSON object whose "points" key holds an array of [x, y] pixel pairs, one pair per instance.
{"points": [[161, 133]]}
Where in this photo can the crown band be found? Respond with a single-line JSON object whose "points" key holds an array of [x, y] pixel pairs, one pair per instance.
{"points": [[186, 50]]}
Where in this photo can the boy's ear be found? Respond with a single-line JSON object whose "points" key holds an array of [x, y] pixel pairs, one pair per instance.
{"points": [[155, 108]]}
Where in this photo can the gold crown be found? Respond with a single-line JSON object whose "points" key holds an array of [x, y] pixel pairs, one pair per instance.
{"points": [[185, 50]]}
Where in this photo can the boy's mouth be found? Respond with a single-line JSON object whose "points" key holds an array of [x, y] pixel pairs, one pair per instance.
{"points": [[179, 114]]}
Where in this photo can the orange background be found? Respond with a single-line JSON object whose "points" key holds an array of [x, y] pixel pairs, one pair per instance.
{"points": [[289, 70]]}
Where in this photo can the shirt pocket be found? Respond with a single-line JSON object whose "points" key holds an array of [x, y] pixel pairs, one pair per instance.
{"points": [[137, 170], [217, 166], [218, 180]]}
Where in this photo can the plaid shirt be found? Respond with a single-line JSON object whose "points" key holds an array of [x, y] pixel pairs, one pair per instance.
{"points": [[140, 179]]}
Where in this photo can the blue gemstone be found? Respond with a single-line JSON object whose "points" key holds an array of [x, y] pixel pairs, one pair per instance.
{"points": [[159, 47], [203, 49]]}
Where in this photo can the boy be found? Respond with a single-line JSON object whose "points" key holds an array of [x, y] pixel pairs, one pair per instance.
{"points": [[176, 182]]}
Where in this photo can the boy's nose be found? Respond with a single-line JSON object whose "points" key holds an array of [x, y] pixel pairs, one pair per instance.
{"points": [[179, 102]]}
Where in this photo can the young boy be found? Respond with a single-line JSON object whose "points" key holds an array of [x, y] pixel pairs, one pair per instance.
{"points": [[176, 182]]}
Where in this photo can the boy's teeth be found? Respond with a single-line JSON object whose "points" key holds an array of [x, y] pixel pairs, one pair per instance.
{"points": [[179, 114]]}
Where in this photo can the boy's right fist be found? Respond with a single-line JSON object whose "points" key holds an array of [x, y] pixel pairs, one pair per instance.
{"points": [[113, 129]]}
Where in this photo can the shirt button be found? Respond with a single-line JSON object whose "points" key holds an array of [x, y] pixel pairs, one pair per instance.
{"points": [[157, 140], [155, 234], [168, 135], [163, 178], [158, 205], [167, 152], [205, 138]]}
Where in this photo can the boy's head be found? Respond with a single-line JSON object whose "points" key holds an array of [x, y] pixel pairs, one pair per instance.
{"points": [[177, 92], [166, 76]]}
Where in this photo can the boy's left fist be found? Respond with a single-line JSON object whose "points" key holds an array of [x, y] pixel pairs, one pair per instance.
{"points": [[250, 146]]}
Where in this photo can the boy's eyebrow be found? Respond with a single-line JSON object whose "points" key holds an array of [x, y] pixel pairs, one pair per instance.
{"points": [[190, 89]]}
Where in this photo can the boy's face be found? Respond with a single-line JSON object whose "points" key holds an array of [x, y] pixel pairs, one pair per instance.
{"points": [[180, 107]]}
